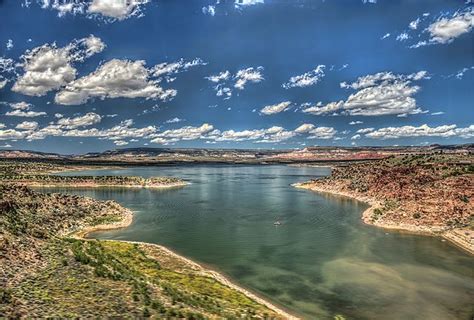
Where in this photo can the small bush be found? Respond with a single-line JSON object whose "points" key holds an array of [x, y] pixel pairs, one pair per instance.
{"points": [[146, 313], [5, 296], [82, 257], [464, 198], [378, 212]]}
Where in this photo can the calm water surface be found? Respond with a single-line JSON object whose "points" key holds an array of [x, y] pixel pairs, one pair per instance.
{"points": [[321, 262]]}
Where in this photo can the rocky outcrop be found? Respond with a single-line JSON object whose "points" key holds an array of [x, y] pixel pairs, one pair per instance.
{"points": [[420, 193]]}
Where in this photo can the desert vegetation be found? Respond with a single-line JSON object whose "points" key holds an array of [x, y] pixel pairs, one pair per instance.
{"points": [[45, 272]]}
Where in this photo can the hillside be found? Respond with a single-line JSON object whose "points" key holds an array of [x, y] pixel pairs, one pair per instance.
{"points": [[252, 156], [46, 273]]}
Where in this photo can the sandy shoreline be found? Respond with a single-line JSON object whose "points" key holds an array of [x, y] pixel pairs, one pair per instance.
{"points": [[88, 185], [454, 236], [127, 221]]}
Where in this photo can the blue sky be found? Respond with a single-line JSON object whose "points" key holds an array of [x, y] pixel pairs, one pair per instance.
{"points": [[81, 76]]}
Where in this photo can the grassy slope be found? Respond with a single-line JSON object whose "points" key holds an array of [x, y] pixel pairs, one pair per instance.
{"points": [[43, 274]]}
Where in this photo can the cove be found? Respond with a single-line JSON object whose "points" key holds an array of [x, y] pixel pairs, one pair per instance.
{"points": [[320, 262]]}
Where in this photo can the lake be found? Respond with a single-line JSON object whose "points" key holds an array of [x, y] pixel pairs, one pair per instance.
{"points": [[321, 261]]}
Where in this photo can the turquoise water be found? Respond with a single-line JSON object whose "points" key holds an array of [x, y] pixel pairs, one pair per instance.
{"points": [[321, 261]]}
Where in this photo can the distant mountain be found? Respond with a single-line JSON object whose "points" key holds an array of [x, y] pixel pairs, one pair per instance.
{"points": [[180, 155], [27, 154], [153, 152], [195, 155]]}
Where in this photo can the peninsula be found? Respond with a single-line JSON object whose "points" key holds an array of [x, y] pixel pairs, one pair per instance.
{"points": [[40, 175], [429, 194]]}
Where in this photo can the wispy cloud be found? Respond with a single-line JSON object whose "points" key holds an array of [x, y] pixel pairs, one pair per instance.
{"points": [[275, 108], [174, 120], [307, 79], [241, 78]]}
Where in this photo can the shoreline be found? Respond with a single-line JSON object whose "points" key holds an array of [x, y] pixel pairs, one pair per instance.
{"points": [[127, 220], [124, 186], [83, 168], [451, 235]]}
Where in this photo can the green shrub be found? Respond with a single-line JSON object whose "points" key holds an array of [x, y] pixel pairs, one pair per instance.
{"points": [[378, 212], [5, 296]]}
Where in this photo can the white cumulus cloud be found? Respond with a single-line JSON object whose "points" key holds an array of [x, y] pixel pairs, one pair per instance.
{"points": [[110, 10], [241, 78], [305, 127], [222, 76], [7, 66], [9, 44], [383, 93], [49, 68], [174, 120], [23, 109], [120, 143], [93, 45], [27, 125], [276, 108], [81, 121], [356, 137], [114, 79], [365, 130], [121, 9], [240, 3], [73, 127], [251, 74], [306, 79], [414, 24], [274, 134], [184, 133], [12, 134], [210, 10], [322, 133], [444, 131], [445, 30]]}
